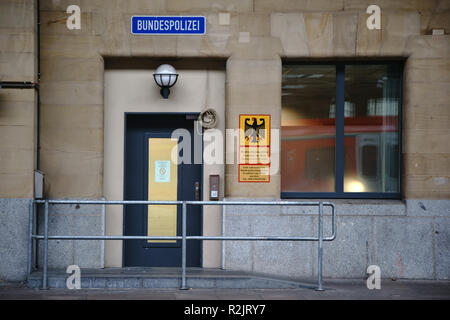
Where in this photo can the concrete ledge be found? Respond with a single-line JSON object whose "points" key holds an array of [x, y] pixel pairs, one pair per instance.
{"points": [[71, 219], [428, 208], [403, 247], [404, 239], [14, 217], [442, 247], [352, 207], [344, 207], [138, 278]]}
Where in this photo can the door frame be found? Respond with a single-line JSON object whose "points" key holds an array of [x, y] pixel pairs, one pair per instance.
{"points": [[125, 128]]}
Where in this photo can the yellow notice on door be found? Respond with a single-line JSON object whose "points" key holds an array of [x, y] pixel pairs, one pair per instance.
{"points": [[162, 170], [162, 185]]}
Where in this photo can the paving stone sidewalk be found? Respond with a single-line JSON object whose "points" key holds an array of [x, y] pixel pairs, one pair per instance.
{"points": [[335, 290]]}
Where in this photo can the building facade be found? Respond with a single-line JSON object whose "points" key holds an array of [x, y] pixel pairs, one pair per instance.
{"points": [[355, 115]]}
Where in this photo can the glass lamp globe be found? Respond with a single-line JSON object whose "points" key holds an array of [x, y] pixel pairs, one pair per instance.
{"points": [[165, 76]]}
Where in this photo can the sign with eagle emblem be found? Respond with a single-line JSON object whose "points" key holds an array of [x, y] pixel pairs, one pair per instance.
{"points": [[254, 148]]}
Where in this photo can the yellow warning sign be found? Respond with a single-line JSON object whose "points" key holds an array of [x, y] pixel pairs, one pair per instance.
{"points": [[254, 173], [254, 155], [254, 129], [254, 148]]}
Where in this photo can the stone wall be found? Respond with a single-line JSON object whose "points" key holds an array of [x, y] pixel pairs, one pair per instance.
{"points": [[74, 220], [254, 36], [406, 240], [17, 134], [14, 217], [17, 107]]}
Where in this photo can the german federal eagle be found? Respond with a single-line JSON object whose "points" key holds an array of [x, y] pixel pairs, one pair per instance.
{"points": [[254, 132]]}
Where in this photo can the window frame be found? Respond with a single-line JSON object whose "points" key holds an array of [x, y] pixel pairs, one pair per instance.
{"points": [[339, 145]]}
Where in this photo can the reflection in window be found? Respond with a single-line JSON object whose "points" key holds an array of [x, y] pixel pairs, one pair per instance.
{"points": [[370, 147], [369, 161], [374, 91], [319, 164], [308, 131]]}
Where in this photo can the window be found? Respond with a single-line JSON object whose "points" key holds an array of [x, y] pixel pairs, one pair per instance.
{"points": [[369, 161], [340, 130], [319, 164]]}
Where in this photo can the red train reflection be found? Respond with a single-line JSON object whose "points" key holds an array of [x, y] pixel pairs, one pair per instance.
{"points": [[370, 148]]}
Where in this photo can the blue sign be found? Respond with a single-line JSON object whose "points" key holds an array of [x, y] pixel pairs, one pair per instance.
{"points": [[168, 25]]}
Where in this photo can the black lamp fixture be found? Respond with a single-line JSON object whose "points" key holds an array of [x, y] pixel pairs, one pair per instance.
{"points": [[165, 76]]}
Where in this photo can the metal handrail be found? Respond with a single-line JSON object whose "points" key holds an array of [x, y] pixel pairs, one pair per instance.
{"points": [[320, 238]]}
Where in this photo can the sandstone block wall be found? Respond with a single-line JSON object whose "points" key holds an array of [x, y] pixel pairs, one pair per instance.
{"points": [[255, 36]]}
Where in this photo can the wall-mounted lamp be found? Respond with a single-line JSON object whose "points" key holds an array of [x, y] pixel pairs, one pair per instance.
{"points": [[165, 77]]}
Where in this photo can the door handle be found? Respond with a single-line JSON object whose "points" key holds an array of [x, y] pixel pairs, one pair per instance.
{"points": [[197, 191]]}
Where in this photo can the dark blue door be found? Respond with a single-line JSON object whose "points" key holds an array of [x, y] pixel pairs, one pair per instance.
{"points": [[151, 174]]}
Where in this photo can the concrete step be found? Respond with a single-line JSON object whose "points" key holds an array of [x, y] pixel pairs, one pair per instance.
{"points": [[166, 278]]}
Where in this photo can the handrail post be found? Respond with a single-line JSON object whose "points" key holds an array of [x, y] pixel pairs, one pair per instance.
{"points": [[183, 247], [44, 273], [320, 249], [333, 222], [222, 258], [30, 240]]}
